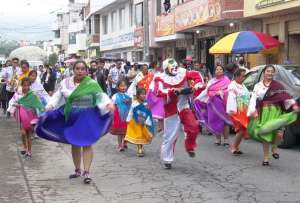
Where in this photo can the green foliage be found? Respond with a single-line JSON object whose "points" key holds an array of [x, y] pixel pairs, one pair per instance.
{"points": [[8, 46], [53, 58]]}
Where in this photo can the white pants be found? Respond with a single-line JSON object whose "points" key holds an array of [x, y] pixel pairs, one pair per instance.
{"points": [[171, 127]]}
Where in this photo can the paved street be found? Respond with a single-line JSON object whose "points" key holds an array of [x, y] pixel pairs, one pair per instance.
{"points": [[213, 176]]}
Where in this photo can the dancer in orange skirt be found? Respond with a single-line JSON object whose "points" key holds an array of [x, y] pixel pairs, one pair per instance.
{"points": [[237, 106]]}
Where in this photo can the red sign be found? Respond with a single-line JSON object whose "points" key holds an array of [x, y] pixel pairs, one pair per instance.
{"points": [[197, 12], [165, 25], [138, 37]]}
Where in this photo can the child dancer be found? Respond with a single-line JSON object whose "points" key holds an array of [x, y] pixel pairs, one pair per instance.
{"points": [[140, 123], [122, 103], [25, 105]]}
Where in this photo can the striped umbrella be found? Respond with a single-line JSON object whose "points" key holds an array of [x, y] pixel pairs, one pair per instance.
{"points": [[244, 42]]}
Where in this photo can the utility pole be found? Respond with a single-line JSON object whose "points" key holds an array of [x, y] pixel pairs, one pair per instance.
{"points": [[146, 30]]}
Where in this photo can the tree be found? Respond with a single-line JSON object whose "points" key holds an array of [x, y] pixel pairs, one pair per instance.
{"points": [[8, 46], [53, 58]]}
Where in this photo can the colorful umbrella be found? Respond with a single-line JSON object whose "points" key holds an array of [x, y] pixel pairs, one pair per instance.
{"points": [[244, 42], [71, 60]]}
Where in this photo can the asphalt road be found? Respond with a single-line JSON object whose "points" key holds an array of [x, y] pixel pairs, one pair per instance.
{"points": [[214, 175]]}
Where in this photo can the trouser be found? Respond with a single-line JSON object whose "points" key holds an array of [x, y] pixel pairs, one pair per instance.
{"points": [[171, 128]]}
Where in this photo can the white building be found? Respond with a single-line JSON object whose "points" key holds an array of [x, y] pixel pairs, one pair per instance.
{"points": [[69, 31]]}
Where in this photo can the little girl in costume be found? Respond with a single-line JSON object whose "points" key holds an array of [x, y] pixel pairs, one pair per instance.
{"points": [[25, 105], [122, 104], [140, 128]]}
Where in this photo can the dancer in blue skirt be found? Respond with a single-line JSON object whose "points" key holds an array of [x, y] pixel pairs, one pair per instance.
{"points": [[79, 113]]}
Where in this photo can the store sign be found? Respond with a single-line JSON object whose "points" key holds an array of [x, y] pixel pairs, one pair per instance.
{"points": [[117, 42], [138, 37], [268, 3], [165, 25], [197, 12]]}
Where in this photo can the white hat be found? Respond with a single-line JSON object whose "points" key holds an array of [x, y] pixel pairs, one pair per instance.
{"points": [[168, 62]]}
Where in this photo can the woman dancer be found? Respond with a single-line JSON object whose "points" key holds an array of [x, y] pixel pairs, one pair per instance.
{"points": [[210, 106], [81, 121], [140, 124], [122, 104], [156, 104], [237, 106], [269, 106], [25, 105]]}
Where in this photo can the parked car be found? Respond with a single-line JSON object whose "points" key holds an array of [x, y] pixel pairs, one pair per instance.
{"points": [[289, 76]]}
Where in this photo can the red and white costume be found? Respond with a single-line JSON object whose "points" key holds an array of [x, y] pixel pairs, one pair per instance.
{"points": [[177, 108]]}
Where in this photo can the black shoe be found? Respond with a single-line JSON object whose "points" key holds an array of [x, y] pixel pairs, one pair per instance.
{"points": [[192, 154], [168, 165], [226, 144], [275, 155], [265, 163], [8, 115], [87, 180], [23, 152], [76, 174], [217, 143]]}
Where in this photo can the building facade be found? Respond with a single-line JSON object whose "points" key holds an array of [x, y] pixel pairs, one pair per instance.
{"points": [[190, 28], [280, 19]]}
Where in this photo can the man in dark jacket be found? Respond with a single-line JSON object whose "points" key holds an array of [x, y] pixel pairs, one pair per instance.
{"points": [[102, 75]]}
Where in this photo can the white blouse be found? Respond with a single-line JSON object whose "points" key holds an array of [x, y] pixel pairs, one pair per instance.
{"points": [[258, 93], [66, 88], [235, 90]]}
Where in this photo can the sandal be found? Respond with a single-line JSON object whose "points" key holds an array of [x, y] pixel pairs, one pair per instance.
{"points": [[76, 174], [275, 155]]}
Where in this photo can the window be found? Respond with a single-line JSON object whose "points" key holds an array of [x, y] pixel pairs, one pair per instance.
{"points": [[122, 18], [139, 14], [97, 24], [104, 25], [72, 38], [131, 15], [57, 34], [113, 21], [90, 26]]}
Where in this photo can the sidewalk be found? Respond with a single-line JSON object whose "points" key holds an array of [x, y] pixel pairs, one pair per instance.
{"points": [[44, 178]]}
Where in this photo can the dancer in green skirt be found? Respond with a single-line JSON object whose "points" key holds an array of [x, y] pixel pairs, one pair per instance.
{"points": [[271, 108]]}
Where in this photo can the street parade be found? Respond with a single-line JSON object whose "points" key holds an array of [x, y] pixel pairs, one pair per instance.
{"points": [[152, 125]]}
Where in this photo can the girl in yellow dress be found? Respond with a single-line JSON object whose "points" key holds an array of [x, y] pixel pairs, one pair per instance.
{"points": [[140, 128]]}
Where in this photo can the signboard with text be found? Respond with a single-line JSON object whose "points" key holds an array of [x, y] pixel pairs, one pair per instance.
{"points": [[197, 12], [117, 42]]}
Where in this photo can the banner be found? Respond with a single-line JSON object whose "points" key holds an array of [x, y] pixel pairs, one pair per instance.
{"points": [[138, 37], [197, 12], [165, 25]]}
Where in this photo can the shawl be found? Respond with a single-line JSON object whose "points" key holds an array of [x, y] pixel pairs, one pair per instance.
{"points": [[222, 84], [123, 102], [30, 100], [87, 86]]}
